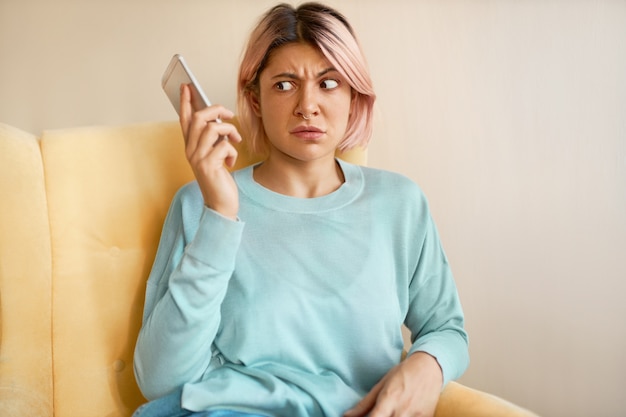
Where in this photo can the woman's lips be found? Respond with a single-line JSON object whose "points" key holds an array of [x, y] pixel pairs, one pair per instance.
{"points": [[308, 132]]}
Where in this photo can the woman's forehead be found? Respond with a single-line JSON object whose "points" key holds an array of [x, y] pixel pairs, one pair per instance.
{"points": [[299, 59]]}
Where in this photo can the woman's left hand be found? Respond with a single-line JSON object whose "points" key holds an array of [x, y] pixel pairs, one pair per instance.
{"points": [[411, 388]]}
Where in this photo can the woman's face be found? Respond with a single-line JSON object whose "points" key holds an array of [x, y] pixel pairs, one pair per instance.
{"points": [[297, 83]]}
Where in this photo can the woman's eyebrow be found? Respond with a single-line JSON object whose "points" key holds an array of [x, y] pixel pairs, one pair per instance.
{"points": [[293, 76]]}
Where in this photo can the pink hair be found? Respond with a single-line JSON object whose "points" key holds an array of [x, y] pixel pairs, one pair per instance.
{"points": [[326, 29]]}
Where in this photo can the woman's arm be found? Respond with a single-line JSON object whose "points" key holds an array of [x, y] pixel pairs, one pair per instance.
{"points": [[184, 294], [435, 315], [439, 351], [195, 259]]}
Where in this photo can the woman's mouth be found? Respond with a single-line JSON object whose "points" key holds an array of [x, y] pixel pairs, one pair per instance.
{"points": [[307, 132]]}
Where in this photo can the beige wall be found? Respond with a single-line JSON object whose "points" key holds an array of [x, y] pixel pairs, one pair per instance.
{"points": [[510, 114]]}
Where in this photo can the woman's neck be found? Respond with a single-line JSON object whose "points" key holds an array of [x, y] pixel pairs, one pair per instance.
{"points": [[300, 179]]}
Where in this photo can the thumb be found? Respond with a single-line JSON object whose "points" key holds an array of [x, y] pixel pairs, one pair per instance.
{"points": [[185, 109]]}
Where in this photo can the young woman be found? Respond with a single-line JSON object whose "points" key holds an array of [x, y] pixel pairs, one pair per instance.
{"points": [[280, 289]]}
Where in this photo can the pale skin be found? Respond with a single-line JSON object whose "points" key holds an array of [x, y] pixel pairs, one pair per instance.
{"points": [[298, 84]]}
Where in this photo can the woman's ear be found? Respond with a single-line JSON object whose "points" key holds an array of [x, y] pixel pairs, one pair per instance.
{"points": [[255, 103]]}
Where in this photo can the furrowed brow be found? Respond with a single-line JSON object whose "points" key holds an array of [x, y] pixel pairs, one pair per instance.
{"points": [[289, 75], [326, 71], [293, 76]]}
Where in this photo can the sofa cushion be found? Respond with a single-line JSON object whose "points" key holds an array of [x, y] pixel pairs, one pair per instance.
{"points": [[25, 285]]}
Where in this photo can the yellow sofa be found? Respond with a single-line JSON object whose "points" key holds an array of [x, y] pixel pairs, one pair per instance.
{"points": [[81, 211]]}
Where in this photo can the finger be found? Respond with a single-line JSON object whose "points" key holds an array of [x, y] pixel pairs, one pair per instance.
{"points": [[233, 134], [385, 407], [230, 153], [186, 111], [208, 142], [226, 131], [214, 113], [204, 129], [366, 404]]}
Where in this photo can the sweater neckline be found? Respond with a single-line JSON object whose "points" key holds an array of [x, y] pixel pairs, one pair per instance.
{"points": [[342, 196]]}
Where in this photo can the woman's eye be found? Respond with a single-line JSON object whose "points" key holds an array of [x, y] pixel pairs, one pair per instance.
{"points": [[284, 86], [329, 84]]}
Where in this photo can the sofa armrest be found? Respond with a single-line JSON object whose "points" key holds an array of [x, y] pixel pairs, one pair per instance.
{"points": [[460, 401], [25, 279]]}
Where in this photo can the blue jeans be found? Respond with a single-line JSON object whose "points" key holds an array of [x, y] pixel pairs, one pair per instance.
{"points": [[169, 406]]}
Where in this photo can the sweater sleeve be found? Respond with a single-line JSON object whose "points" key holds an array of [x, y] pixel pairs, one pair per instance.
{"points": [[435, 317], [185, 290]]}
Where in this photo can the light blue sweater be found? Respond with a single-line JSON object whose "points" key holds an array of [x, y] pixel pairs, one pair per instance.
{"points": [[296, 309]]}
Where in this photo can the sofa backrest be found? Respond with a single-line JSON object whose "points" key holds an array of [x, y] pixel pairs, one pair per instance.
{"points": [[108, 192]]}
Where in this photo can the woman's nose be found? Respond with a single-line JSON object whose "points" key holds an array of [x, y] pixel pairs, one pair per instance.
{"points": [[308, 104]]}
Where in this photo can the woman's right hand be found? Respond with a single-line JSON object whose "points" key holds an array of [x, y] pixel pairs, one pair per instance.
{"points": [[209, 154]]}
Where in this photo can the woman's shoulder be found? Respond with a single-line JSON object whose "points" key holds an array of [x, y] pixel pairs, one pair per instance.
{"points": [[390, 181], [188, 200], [393, 191], [188, 192]]}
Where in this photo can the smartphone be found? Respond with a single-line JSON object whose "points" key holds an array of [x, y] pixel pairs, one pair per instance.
{"points": [[178, 73]]}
